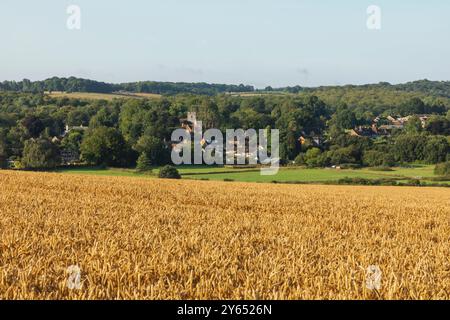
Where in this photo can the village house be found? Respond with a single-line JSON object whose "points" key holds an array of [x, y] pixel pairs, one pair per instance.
{"points": [[424, 119], [392, 124], [69, 156], [388, 129], [312, 139], [79, 128], [191, 124], [361, 131]]}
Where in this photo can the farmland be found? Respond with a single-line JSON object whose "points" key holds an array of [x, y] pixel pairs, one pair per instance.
{"points": [[285, 175], [315, 174], [160, 239], [101, 96]]}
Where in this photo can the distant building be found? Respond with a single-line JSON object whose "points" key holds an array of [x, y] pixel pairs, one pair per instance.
{"points": [[312, 138], [424, 119], [79, 128], [190, 123], [360, 131], [385, 126], [69, 156], [390, 119], [390, 127]]}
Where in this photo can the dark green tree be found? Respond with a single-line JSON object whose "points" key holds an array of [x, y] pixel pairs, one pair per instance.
{"points": [[154, 149], [374, 158], [413, 106], [312, 157], [105, 117], [40, 154], [72, 141], [438, 125], [143, 163], [105, 146], [33, 125], [341, 156], [436, 149], [16, 138], [345, 119], [414, 125], [409, 148], [78, 117]]}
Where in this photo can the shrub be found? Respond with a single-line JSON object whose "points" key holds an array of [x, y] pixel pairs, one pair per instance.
{"points": [[373, 158], [367, 182], [17, 164], [300, 159], [350, 166], [357, 181], [381, 168], [169, 172], [341, 156], [442, 169], [414, 182], [312, 157], [389, 160]]}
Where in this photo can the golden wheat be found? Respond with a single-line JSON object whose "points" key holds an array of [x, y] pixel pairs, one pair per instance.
{"points": [[158, 239]]}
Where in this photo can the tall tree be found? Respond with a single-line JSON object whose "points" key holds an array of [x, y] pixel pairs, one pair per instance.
{"points": [[40, 154], [33, 125], [105, 146]]}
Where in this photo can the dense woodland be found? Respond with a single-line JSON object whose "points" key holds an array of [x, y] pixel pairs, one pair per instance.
{"points": [[73, 84], [119, 132]]}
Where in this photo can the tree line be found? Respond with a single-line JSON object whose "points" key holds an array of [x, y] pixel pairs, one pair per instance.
{"points": [[426, 87], [119, 132], [73, 84]]}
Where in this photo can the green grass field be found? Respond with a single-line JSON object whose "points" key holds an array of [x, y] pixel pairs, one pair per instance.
{"points": [[184, 170], [300, 175], [102, 172], [324, 175]]}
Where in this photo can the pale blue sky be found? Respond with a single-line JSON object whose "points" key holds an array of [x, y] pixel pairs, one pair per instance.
{"points": [[258, 42]]}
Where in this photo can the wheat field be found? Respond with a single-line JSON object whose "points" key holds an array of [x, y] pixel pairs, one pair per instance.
{"points": [[160, 239], [101, 96]]}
